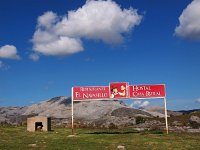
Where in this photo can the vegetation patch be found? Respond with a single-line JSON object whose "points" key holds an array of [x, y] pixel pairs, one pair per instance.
{"points": [[98, 139]]}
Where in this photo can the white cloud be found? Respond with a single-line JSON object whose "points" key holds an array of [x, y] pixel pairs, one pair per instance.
{"points": [[60, 46], [96, 20], [9, 52], [34, 57], [189, 26], [47, 20], [139, 104], [102, 20], [145, 104], [198, 100]]}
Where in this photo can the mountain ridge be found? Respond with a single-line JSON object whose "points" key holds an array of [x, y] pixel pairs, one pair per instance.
{"points": [[99, 114]]}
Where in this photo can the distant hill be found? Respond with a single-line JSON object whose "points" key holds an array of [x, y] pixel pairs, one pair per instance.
{"points": [[11, 115], [160, 111], [188, 111], [100, 114], [89, 112]]}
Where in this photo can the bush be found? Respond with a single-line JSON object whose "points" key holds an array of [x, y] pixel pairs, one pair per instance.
{"points": [[156, 129], [140, 119], [112, 126], [5, 124], [194, 124]]}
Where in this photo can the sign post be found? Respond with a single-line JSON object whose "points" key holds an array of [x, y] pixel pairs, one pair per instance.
{"points": [[166, 123], [119, 90], [72, 101]]}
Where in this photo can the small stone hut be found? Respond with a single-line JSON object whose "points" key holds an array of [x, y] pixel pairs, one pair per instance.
{"points": [[38, 123]]}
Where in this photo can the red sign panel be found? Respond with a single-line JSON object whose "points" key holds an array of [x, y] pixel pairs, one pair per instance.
{"points": [[90, 93], [119, 90], [147, 91]]}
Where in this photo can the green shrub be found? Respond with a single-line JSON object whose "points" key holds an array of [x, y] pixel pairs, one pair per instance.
{"points": [[194, 124], [140, 119], [112, 126]]}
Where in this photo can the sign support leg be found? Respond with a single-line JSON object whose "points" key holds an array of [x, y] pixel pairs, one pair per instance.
{"points": [[72, 103], [166, 122]]}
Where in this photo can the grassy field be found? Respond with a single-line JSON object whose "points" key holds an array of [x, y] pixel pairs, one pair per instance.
{"points": [[17, 138]]}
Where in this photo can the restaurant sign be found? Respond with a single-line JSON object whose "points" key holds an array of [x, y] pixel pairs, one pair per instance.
{"points": [[90, 93]]}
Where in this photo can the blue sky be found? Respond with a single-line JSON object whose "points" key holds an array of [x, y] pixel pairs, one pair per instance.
{"points": [[149, 46]]}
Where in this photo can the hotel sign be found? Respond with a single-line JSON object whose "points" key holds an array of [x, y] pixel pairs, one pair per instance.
{"points": [[147, 91]]}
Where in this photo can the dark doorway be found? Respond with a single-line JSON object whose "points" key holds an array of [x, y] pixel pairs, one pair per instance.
{"points": [[38, 126]]}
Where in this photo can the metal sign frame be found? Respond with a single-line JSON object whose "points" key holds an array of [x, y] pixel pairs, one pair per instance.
{"points": [[72, 107]]}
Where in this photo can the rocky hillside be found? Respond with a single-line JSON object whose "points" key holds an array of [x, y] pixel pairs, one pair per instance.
{"points": [[12, 115], [86, 113], [99, 114], [159, 111]]}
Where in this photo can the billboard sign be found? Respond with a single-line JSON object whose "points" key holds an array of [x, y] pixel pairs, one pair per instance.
{"points": [[147, 91], [118, 90], [90, 93]]}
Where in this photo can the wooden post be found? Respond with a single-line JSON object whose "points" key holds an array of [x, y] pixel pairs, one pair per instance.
{"points": [[72, 102], [166, 122]]}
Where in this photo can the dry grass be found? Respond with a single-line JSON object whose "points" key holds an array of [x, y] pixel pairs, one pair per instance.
{"points": [[86, 139]]}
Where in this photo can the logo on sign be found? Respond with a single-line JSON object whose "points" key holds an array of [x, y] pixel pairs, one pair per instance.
{"points": [[119, 90]]}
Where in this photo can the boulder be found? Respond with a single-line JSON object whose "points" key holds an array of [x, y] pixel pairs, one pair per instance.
{"points": [[195, 119]]}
